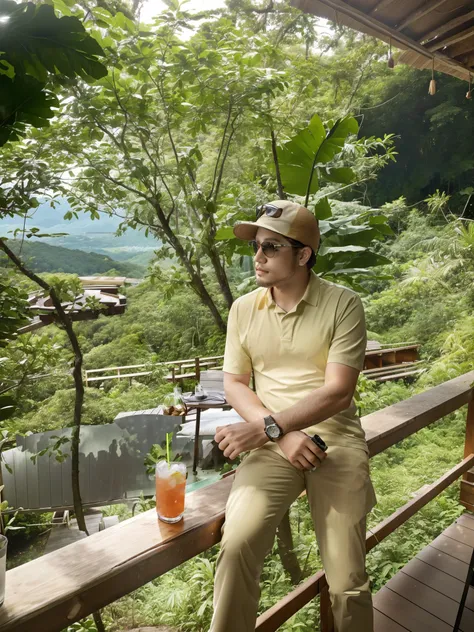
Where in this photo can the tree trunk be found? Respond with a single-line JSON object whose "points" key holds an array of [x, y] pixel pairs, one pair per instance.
{"points": [[66, 321], [221, 276], [281, 192], [196, 281], [285, 549]]}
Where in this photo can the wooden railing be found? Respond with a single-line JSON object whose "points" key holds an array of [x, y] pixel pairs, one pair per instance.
{"points": [[51, 592], [179, 370], [379, 362]]}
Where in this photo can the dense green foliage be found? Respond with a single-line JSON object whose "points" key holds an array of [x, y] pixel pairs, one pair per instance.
{"points": [[28, 68]]}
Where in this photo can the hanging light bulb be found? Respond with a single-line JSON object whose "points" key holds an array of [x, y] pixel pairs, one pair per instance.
{"points": [[469, 92], [432, 88], [391, 61]]}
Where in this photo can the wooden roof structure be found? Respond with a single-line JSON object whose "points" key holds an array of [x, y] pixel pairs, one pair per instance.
{"points": [[437, 33], [44, 313]]}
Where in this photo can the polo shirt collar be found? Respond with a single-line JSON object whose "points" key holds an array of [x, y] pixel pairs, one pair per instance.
{"points": [[310, 296]]}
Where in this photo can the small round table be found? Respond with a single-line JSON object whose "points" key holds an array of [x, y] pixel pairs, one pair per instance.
{"points": [[198, 406]]}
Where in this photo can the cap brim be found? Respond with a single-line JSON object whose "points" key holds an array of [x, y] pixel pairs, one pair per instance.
{"points": [[246, 230]]}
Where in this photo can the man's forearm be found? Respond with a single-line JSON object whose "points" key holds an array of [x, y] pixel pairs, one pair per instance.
{"points": [[246, 402], [318, 406]]}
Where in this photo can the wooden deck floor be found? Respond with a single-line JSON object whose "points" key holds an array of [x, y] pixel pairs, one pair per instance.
{"points": [[62, 535], [424, 596]]}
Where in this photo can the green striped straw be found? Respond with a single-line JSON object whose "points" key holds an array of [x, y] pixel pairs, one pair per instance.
{"points": [[168, 445]]}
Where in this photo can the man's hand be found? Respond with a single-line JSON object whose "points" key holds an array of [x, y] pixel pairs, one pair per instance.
{"points": [[242, 437], [300, 451]]}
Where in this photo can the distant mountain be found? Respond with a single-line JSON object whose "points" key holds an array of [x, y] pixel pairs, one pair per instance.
{"points": [[83, 233], [42, 257]]}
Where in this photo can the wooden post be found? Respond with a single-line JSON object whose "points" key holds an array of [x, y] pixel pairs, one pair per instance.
{"points": [[198, 370], [118, 374], [196, 441], [325, 612], [286, 551], [173, 373], [467, 484]]}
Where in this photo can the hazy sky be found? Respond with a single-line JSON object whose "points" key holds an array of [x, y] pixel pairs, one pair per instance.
{"points": [[153, 7]]}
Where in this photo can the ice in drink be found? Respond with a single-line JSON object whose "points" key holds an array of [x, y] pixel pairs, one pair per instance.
{"points": [[170, 490]]}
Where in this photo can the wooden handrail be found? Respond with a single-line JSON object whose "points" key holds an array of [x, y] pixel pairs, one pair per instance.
{"points": [[51, 592], [386, 427], [191, 362], [373, 352], [273, 618]]}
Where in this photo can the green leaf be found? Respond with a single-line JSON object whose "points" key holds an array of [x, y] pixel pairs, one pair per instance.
{"points": [[333, 249], [225, 233], [322, 209], [309, 150], [340, 175]]}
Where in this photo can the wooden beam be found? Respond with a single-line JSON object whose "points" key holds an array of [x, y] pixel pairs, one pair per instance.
{"points": [[276, 616], [469, 60], [53, 591], [461, 50], [386, 427], [379, 6], [467, 485], [454, 39], [399, 517], [375, 26], [325, 611], [425, 8], [447, 26]]}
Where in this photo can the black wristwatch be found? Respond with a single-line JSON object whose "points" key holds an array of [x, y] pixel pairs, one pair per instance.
{"points": [[272, 429]]}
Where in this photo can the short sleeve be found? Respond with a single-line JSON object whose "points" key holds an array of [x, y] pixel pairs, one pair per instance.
{"points": [[349, 342], [236, 359]]}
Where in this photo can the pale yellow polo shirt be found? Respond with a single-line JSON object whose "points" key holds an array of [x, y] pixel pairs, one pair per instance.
{"points": [[289, 351]]}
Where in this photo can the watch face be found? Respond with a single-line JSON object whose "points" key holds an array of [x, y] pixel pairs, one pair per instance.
{"points": [[273, 431]]}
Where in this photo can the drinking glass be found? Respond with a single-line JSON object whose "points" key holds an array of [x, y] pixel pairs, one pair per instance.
{"points": [[170, 490], [199, 392]]}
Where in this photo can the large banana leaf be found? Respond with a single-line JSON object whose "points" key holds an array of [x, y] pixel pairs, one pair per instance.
{"points": [[307, 156]]}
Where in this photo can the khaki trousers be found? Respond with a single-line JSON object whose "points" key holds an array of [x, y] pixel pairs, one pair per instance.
{"points": [[340, 494]]}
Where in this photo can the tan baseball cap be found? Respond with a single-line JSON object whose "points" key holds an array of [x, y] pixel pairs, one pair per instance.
{"points": [[295, 222]]}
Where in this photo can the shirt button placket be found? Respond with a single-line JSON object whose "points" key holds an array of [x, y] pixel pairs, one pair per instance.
{"points": [[286, 328]]}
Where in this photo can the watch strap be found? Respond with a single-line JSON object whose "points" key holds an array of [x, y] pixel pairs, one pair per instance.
{"points": [[269, 421]]}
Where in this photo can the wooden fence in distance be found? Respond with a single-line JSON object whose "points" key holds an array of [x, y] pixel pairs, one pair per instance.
{"points": [[381, 363]]}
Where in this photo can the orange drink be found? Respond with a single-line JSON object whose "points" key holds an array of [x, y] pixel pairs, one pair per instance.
{"points": [[170, 490]]}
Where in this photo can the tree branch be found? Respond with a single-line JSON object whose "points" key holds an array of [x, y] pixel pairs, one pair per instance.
{"points": [[224, 135], [281, 192], [66, 321]]}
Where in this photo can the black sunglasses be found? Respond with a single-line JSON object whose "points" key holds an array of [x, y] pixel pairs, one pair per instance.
{"points": [[269, 209], [269, 249]]}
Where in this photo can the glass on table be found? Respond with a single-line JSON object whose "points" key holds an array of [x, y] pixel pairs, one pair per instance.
{"points": [[170, 490], [199, 392]]}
